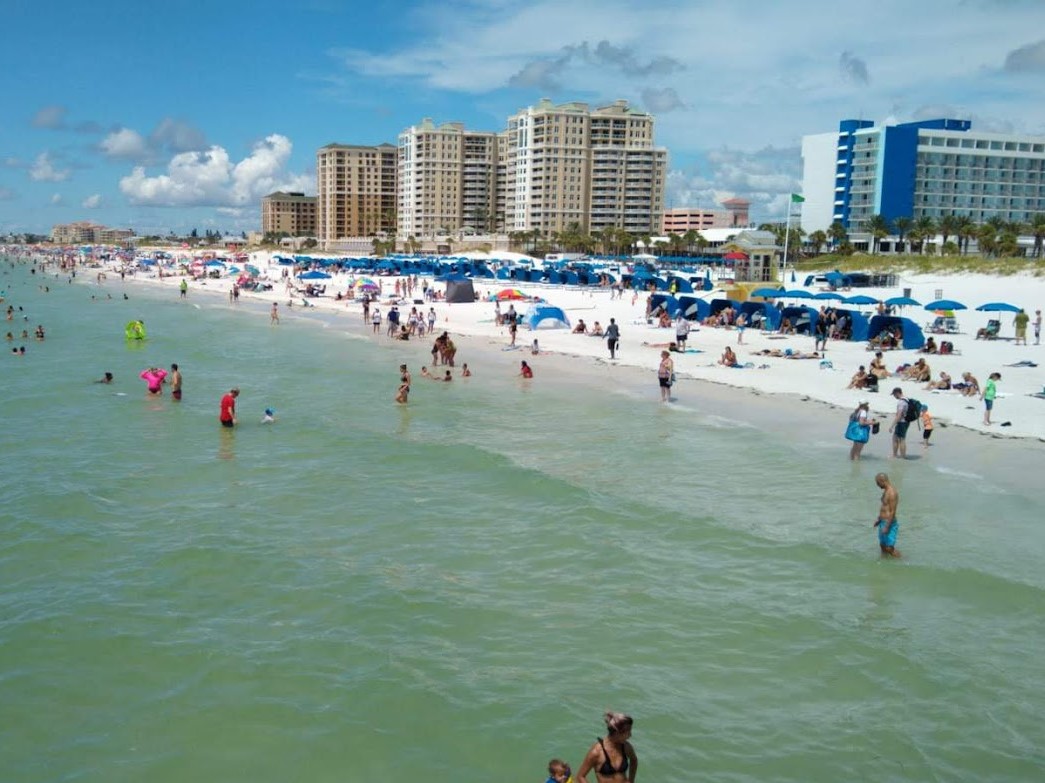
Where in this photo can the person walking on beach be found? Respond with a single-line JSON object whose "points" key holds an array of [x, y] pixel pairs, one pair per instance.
{"points": [[613, 338], [927, 426], [513, 330], [274, 315], [665, 375], [612, 758], [886, 523], [859, 432], [1037, 327], [184, 288], [227, 416], [900, 425], [990, 391], [1020, 322], [175, 381]]}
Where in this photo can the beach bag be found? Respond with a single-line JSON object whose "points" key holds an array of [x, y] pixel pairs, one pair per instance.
{"points": [[876, 428], [857, 433], [914, 410]]}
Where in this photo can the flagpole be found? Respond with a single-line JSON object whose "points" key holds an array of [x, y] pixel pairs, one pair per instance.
{"points": [[787, 236]]}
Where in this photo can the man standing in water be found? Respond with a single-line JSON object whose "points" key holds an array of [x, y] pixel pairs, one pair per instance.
{"points": [[888, 527], [227, 417], [175, 382]]}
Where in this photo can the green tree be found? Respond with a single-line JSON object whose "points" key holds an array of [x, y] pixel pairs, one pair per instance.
{"points": [[878, 228], [1037, 229], [948, 226], [902, 226], [986, 236], [965, 229], [837, 233], [926, 228], [817, 239]]}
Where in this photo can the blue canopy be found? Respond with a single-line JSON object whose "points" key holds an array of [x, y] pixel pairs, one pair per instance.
{"points": [[998, 307], [912, 334], [663, 301], [761, 315], [314, 275], [693, 309], [795, 294], [861, 299], [945, 304], [803, 318], [767, 292], [545, 316], [858, 323], [829, 295], [902, 301]]}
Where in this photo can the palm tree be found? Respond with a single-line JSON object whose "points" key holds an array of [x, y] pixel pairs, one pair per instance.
{"points": [[965, 229], [817, 239], [986, 236], [926, 227], [836, 233], [1037, 228], [690, 239], [948, 225], [878, 228], [902, 225]]}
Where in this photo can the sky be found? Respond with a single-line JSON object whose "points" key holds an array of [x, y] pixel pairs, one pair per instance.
{"points": [[175, 116]]}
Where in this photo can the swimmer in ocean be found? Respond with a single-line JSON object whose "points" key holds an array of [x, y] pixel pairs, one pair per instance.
{"points": [[887, 524]]}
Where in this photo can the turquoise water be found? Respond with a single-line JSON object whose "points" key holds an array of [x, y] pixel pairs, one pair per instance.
{"points": [[459, 588]]}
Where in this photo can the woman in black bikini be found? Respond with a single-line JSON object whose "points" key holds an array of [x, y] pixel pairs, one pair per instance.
{"points": [[613, 759]]}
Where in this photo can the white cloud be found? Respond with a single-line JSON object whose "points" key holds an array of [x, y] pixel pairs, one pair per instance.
{"points": [[211, 179], [126, 144], [92, 202], [56, 199], [51, 117], [43, 170]]}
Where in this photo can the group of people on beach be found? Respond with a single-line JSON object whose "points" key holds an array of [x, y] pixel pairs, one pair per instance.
{"points": [[612, 759]]}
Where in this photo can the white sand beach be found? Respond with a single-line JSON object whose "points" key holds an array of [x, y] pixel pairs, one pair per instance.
{"points": [[1017, 413]]}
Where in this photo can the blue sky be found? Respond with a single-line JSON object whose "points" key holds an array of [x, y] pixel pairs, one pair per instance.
{"points": [[179, 115]]}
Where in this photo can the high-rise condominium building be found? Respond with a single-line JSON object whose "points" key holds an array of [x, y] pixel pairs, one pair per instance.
{"points": [[931, 168], [85, 232], [447, 179], [356, 189], [679, 220], [289, 213], [567, 164]]}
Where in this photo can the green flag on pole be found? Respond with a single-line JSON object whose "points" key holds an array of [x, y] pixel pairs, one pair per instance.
{"points": [[797, 199]]}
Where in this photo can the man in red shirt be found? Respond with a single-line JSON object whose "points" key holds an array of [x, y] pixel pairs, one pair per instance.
{"points": [[228, 409]]}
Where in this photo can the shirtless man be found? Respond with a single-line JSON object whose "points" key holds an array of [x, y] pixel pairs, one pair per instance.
{"points": [[174, 379], [888, 526], [274, 315]]}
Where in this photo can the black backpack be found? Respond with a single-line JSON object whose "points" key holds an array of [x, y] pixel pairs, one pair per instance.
{"points": [[914, 410]]}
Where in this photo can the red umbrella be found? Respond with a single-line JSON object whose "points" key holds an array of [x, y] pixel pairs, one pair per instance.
{"points": [[735, 255]]}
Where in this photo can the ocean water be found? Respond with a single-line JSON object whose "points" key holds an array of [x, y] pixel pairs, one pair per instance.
{"points": [[459, 588]]}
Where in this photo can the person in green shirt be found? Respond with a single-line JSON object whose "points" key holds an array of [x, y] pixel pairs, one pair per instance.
{"points": [[990, 391], [1020, 321]]}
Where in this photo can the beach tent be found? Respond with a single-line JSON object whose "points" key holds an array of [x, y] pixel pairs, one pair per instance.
{"points": [[802, 318], [459, 289], [761, 315], [682, 285], [718, 305], [838, 280], [693, 309], [912, 334], [858, 321], [660, 302], [545, 316]]}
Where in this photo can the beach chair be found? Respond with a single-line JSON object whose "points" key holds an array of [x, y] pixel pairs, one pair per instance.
{"points": [[990, 331]]}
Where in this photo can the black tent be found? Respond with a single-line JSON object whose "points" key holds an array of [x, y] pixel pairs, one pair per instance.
{"points": [[459, 289]]}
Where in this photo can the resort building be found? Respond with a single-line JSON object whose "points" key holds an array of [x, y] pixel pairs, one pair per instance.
{"points": [[446, 179], [84, 232], [929, 168], [679, 220], [293, 214], [356, 191], [567, 164]]}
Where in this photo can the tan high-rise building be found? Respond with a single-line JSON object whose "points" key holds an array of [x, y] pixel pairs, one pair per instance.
{"points": [[293, 214], [356, 188], [447, 179]]}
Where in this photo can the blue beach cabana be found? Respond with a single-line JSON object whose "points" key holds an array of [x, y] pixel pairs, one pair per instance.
{"points": [[760, 315], [858, 323], [803, 319], [693, 309], [545, 316], [912, 333], [660, 302]]}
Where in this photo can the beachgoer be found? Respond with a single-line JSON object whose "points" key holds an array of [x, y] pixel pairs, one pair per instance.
{"points": [[580, 328], [821, 335], [729, 359], [681, 331], [535, 348], [448, 377], [184, 287], [990, 391], [227, 416], [558, 771], [877, 367], [175, 381], [927, 426], [862, 418], [375, 319], [269, 417], [1020, 322], [513, 328], [859, 379], [665, 375], [107, 378], [465, 372], [741, 324], [900, 424], [1037, 327], [274, 315], [525, 370], [613, 338], [886, 523], [153, 377], [403, 392], [612, 759]]}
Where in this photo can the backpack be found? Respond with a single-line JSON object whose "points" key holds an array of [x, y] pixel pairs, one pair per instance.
{"points": [[914, 410]]}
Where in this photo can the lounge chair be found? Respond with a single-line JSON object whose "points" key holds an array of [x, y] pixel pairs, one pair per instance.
{"points": [[990, 331]]}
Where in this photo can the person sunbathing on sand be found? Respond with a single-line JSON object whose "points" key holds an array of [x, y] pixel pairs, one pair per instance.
{"points": [[729, 359], [944, 384], [596, 330], [580, 328], [878, 368], [673, 347], [859, 379]]}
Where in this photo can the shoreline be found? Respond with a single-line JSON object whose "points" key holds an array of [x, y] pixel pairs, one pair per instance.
{"points": [[802, 380]]}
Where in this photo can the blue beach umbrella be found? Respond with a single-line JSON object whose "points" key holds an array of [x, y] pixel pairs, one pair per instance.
{"points": [[998, 307], [945, 304], [903, 301], [314, 276], [796, 294], [768, 292], [829, 295], [861, 299]]}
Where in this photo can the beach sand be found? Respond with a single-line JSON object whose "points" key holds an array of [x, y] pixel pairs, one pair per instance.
{"points": [[1017, 412]]}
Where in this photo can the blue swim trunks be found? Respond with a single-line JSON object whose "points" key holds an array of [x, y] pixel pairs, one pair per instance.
{"points": [[888, 538]]}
